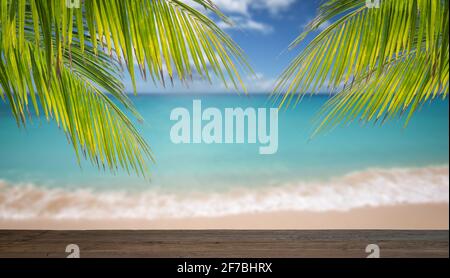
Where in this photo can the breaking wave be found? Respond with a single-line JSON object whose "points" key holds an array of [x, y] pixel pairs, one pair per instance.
{"points": [[370, 188]]}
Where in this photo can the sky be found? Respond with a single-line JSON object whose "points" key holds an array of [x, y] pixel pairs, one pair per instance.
{"points": [[263, 29]]}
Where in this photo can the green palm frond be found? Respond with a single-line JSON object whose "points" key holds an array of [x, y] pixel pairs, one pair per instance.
{"points": [[165, 35], [381, 62], [67, 64]]}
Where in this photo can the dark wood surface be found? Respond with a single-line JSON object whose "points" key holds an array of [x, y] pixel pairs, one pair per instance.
{"points": [[224, 243]]}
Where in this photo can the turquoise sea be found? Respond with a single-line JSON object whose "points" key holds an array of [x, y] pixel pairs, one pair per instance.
{"points": [[347, 167]]}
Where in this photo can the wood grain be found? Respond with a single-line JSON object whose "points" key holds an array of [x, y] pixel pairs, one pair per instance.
{"points": [[224, 243]]}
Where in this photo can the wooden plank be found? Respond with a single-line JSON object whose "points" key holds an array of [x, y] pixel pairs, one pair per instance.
{"points": [[224, 243]]}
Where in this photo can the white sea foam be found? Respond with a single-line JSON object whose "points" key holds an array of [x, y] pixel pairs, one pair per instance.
{"points": [[370, 188]]}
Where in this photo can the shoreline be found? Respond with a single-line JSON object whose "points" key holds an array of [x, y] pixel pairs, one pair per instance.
{"points": [[399, 217], [367, 189]]}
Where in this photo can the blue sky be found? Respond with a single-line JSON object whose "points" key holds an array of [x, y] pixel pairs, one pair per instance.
{"points": [[264, 29]]}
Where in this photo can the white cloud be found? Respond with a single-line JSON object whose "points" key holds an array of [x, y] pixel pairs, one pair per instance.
{"points": [[242, 12], [261, 83], [257, 83], [244, 7], [233, 6], [246, 23]]}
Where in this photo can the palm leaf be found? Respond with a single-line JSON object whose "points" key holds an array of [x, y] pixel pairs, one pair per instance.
{"points": [[67, 64], [380, 62]]}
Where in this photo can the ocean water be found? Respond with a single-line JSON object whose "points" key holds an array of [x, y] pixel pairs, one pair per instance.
{"points": [[344, 168]]}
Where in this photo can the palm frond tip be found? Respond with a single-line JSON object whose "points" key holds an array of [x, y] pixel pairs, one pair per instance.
{"points": [[380, 62]]}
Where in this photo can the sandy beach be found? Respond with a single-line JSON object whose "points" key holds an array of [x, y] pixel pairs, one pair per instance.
{"points": [[409, 217]]}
